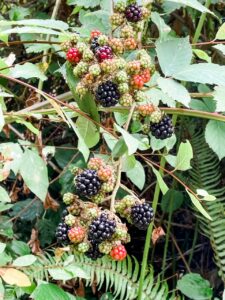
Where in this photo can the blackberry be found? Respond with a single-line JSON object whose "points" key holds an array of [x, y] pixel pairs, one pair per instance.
{"points": [[142, 215], [94, 252], [101, 229], [107, 93], [64, 214], [164, 129], [104, 52], [87, 183], [133, 13], [61, 233], [94, 44]]}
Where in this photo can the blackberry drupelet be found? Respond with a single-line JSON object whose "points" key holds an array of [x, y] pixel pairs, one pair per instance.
{"points": [[94, 44], [107, 94], [133, 13], [164, 129], [93, 252], [101, 229], [142, 215], [87, 183], [104, 52], [64, 214], [61, 233]]}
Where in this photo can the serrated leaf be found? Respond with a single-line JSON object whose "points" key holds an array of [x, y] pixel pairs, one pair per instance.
{"points": [[27, 71], [157, 144], [203, 73], [88, 131], [34, 173], [198, 205], [137, 175], [195, 287], [174, 55], [4, 197], [14, 277], [215, 137], [184, 156], [24, 261], [163, 28], [174, 90], [50, 290], [192, 3], [221, 33], [220, 47], [131, 142], [219, 97]]}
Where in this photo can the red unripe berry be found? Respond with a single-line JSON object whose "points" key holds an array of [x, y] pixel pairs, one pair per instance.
{"points": [[104, 173], [95, 33], [73, 55], [76, 234], [118, 253], [104, 52], [146, 75], [137, 82]]}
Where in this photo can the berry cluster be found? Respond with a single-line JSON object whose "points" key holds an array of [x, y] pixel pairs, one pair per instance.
{"points": [[153, 120], [90, 230], [137, 212]]}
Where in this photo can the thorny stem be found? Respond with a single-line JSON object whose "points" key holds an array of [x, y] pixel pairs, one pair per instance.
{"points": [[119, 169]]}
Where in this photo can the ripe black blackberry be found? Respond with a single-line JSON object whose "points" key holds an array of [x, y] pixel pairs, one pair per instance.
{"points": [[162, 130], [107, 93], [61, 233], [94, 44], [93, 252], [133, 13], [142, 215], [101, 229], [88, 183]]}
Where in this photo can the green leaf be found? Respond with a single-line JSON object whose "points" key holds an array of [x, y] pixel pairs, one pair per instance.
{"points": [[215, 137], [202, 55], [163, 186], [49, 23], [13, 153], [128, 163], [198, 205], [195, 287], [29, 126], [202, 73], [171, 201], [220, 47], [131, 142], [192, 3], [28, 70], [4, 197], [174, 90], [184, 156], [50, 290], [60, 274], [219, 97], [2, 120], [157, 144], [35, 209], [205, 195], [137, 175], [4, 207], [2, 247], [221, 33], [24, 261], [84, 3], [4, 259], [20, 247], [119, 149], [37, 48], [6, 227], [31, 29], [18, 13], [88, 131], [110, 140], [77, 271], [121, 118], [174, 55], [163, 28], [4, 65], [35, 174]]}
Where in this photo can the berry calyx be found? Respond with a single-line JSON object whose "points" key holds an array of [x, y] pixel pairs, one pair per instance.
{"points": [[73, 55], [107, 94], [142, 215], [76, 234], [87, 183], [104, 52], [118, 253], [162, 130], [133, 13]]}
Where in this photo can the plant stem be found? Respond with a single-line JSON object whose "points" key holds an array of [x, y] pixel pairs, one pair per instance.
{"points": [[200, 23], [149, 234]]}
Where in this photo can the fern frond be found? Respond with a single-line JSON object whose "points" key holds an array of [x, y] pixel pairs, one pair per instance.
{"points": [[205, 174], [122, 278]]}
